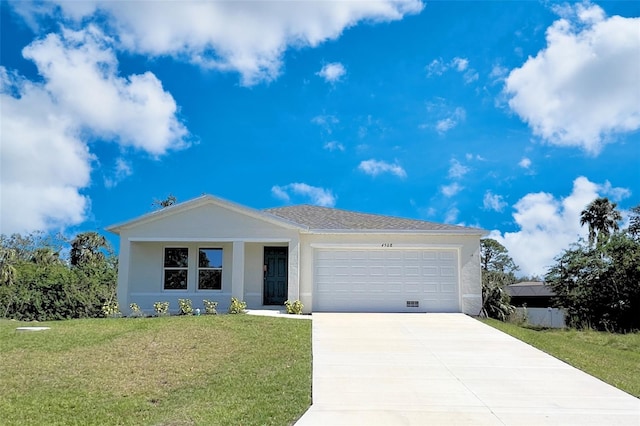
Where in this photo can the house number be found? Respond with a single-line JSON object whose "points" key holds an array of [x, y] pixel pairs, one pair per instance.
{"points": [[387, 245]]}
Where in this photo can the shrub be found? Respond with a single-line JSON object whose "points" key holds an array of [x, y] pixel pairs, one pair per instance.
{"points": [[185, 306], [237, 306], [294, 307], [110, 309], [496, 301], [161, 308], [210, 307], [135, 310], [46, 292]]}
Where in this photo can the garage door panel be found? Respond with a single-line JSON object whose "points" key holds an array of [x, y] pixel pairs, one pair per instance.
{"points": [[412, 271], [394, 271], [410, 280], [447, 255], [447, 272], [429, 255], [430, 271]]}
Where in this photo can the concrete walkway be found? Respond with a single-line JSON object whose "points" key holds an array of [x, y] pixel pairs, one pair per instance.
{"points": [[447, 369]]}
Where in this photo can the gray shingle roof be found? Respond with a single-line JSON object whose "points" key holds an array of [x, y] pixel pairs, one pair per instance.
{"points": [[529, 289], [324, 218]]}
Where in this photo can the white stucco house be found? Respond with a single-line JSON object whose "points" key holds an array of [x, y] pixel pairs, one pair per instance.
{"points": [[330, 259]]}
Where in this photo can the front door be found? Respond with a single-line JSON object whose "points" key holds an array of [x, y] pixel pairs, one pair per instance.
{"points": [[275, 275]]}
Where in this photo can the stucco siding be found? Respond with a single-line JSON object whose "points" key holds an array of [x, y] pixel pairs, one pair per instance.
{"points": [[145, 279], [210, 221], [468, 248]]}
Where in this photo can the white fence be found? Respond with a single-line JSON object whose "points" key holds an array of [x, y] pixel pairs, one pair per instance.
{"points": [[543, 317]]}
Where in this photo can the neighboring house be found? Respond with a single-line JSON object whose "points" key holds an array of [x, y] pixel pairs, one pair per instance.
{"points": [[330, 259], [533, 299]]}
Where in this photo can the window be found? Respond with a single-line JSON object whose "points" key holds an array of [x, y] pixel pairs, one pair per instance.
{"points": [[176, 267], [210, 269]]}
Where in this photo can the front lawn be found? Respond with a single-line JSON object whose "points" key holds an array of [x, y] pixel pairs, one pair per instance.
{"points": [[227, 369], [613, 358]]}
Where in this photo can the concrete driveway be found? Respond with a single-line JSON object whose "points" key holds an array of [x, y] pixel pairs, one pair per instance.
{"points": [[447, 369]]}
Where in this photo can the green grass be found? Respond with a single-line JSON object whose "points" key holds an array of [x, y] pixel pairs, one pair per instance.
{"points": [[613, 358], [209, 370]]}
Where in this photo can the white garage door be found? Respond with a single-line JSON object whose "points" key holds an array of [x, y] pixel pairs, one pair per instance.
{"points": [[386, 280]]}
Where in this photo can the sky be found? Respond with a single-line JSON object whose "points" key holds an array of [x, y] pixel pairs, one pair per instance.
{"points": [[506, 115]]}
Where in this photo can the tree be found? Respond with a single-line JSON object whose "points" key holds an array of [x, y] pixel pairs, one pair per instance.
{"points": [[634, 222], [7, 266], [88, 249], [495, 257], [497, 272], [45, 256], [161, 204], [602, 218], [599, 287], [36, 284]]}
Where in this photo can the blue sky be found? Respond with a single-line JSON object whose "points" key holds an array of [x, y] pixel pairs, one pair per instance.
{"points": [[510, 116]]}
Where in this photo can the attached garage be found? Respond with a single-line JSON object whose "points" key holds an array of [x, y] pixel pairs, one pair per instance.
{"points": [[386, 280]]}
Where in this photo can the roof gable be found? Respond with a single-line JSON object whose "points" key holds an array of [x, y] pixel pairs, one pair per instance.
{"points": [[317, 218], [204, 200]]}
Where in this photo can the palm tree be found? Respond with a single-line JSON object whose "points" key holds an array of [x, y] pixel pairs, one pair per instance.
{"points": [[7, 270], [602, 218], [86, 249], [45, 256]]}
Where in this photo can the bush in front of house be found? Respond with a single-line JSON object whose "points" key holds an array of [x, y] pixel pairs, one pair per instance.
{"points": [[186, 307], [161, 308], [210, 307], [136, 312], [294, 307], [237, 306], [110, 309]]}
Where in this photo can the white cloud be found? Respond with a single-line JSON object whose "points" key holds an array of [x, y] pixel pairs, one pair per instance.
{"points": [[317, 196], [548, 225], [326, 122], [493, 202], [446, 124], [498, 73], [525, 163], [334, 146], [451, 189], [452, 215], [460, 64], [581, 89], [451, 121], [375, 167], [322, 120], [437, 67], [470, 76], [616, 194], [332, 72], [121, 170], [80, 72], [457, 170], [246, 37], [280, 193], [46, 127]]}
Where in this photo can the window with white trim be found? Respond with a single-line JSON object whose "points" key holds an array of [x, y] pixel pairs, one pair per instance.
{"points": [[210, 269], [176, 268]]}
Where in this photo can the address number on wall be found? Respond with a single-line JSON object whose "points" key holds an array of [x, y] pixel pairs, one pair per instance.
{"points": [[387, 245]]}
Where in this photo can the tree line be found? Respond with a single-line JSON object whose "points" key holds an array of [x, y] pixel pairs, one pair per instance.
{"points": [[45, 277], [596, 282]]}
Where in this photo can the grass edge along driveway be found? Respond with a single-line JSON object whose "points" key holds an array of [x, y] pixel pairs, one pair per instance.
{"points": [[613, 358], [226, 369]]}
